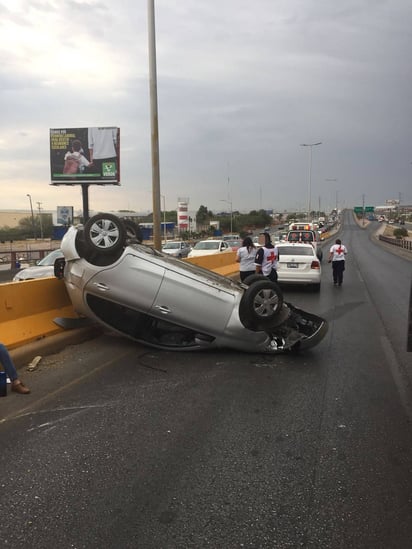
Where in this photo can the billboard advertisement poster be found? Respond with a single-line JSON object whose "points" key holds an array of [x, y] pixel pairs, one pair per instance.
{"points": [[85, 155], [64, 215]]}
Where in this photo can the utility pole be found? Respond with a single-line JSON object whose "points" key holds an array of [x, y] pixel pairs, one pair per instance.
{"points": [[32, 216], [157, 239], [41, 224]]}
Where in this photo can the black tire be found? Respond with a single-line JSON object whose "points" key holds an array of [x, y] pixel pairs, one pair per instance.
{"points": [[316, 288], [252, 278], [261, 305], [105, 234], [133, 231]]}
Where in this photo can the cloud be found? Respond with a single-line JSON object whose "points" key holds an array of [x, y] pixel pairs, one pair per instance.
{"points": [[240, 87]]}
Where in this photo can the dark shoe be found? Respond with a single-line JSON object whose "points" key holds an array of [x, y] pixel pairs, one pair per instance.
{"points": [[20, 388]]}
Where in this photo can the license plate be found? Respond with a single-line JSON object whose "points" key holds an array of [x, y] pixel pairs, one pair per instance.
{"points": [[292, 265]]}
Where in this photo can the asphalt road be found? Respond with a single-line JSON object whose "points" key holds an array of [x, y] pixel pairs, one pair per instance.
{"points": [[121, 446]]}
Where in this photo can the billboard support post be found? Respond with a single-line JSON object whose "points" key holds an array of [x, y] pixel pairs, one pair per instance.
{"points": [[85, 196]]}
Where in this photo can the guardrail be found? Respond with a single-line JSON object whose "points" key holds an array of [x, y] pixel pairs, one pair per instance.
{"points": [[27, 310], [223, 263], [399, 242]]}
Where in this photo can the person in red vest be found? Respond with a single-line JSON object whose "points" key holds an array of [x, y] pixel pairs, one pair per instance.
{"points": [[266, 259], [337, 255]]}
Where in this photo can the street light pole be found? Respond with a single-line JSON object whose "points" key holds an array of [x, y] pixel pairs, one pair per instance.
{"points": [[231, 214], [32, 216], [310, 145], [154, 122]]}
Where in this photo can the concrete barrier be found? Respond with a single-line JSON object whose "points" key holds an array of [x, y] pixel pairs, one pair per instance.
{"points": [[27, 310], [222, 263]]}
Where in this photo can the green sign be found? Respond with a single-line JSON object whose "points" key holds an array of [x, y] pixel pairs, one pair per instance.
{"points": [[358, 209], [369, 208]]}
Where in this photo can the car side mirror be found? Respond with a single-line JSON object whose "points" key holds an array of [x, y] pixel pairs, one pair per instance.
{"points": [[59, 264]]}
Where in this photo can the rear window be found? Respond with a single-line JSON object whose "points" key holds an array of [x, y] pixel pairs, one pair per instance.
{"points": [[300, 236], [295, 250]]}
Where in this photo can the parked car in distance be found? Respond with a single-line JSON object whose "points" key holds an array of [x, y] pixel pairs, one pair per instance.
{"points": [[171, 304], [209, 247], [177, 249], [298, 264], [43, 268]]}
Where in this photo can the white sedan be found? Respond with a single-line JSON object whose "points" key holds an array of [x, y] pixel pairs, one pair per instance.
{"points": [[298, 264], [209, 247]]}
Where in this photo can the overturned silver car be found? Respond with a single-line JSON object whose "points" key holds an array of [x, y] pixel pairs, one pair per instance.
{"points": [[171, 304]]}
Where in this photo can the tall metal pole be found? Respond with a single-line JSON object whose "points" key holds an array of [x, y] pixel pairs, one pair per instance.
{"points": [[32, 216], [164, 217], [311, 145], [41, 224], [157, 242], [231, 214]]}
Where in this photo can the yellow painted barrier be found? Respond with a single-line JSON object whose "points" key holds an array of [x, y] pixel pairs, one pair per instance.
{"points": [[214, 262], [27, 310]]}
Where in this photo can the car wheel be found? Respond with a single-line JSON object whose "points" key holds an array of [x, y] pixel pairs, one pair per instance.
{"points": [[253, 278], [133, 231], [316, 287], [260, 305], [104, 233]]}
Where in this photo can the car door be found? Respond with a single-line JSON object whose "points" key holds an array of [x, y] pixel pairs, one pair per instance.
{"points": [[193, 302], [134, 282]]}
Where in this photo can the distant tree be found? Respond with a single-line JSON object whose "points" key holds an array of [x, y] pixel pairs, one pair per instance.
{"points": [[203, 215]]}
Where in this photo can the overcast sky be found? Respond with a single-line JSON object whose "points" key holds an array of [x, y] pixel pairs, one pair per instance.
{"points": [[241, 85]]}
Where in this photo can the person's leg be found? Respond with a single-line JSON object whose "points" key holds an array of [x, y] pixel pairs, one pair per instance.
{"points": [[341, 269], [16, 385], [7, 363], [335, 271]]}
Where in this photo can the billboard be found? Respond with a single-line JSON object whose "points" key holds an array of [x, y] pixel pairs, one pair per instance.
{"points": [[64, 215], [85, 155]]}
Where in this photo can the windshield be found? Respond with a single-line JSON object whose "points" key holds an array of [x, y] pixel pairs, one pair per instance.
{"points": [[207, 245], [171, 246], [50, 258]]}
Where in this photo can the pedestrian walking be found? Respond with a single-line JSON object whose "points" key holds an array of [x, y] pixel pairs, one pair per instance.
{"points": [[245, 255], [16, 385], [337, 255], [266, 259]]}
